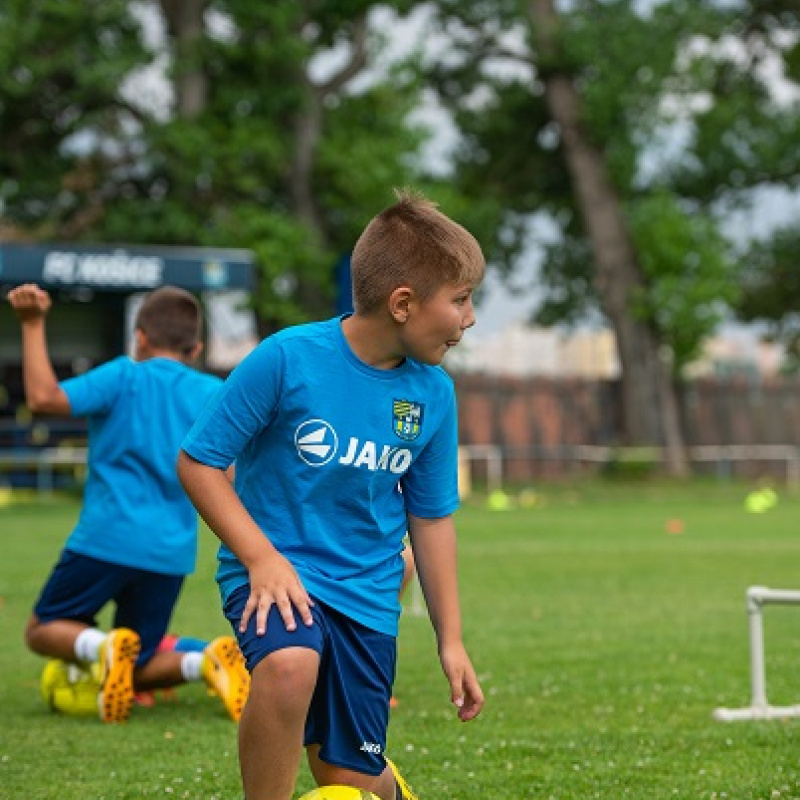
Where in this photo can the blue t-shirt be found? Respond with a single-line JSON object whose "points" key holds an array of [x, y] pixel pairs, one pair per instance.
{"points": [[135, 511], [331, 454]]}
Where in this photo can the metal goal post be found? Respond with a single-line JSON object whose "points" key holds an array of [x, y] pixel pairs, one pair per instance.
{"points": [[757, 597]]}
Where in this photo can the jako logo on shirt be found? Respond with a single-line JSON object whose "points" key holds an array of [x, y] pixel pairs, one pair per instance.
{"points": [[317, 444]]}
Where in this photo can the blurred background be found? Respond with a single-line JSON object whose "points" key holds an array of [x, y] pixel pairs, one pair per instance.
{"points": [[630, 168]]}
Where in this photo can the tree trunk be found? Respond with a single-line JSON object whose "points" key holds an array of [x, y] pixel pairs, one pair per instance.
{"points": [[307, 134], [306, 137], [308, 131], [650, 407], [186, 27]]}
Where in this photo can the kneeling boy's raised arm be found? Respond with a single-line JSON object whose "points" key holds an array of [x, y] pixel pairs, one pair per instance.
{"points": [[43, 394]]}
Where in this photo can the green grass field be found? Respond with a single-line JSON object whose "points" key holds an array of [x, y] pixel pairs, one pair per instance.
{"points": [[603, 642]]}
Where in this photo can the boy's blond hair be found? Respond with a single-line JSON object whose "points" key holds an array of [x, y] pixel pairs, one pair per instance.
{"points": [[172, 320], [412, 244]]}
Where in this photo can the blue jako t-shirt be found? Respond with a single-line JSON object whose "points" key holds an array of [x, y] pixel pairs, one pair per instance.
{"points": [[135, 511], [331, 454]]}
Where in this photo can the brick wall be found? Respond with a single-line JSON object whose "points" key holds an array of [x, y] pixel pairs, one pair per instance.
{"points": [[539, 422]]}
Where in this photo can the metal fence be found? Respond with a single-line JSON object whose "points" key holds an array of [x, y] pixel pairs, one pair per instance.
{"points": [[44, 469], [496, 466]]}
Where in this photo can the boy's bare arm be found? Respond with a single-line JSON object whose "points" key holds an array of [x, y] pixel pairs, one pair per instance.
{"points": [[273, 579], [43, 394], [434, 545]]}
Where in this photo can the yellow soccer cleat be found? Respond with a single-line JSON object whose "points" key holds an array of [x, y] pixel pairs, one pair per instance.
{"points": [[225, 673], [405, 789], [117, 660]]}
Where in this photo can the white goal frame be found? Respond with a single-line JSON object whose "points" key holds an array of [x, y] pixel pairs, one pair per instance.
{"points": [[757, 597]]}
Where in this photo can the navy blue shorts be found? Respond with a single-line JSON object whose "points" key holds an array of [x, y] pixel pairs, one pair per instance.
{"points": [[80, 586], [349, 713]]}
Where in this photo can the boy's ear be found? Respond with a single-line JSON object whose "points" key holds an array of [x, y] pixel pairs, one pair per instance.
{"points": [[400, 303], [196, 350]]}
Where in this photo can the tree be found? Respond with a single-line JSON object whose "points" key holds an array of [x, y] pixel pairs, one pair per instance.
{"points": [[256, 150], [744, 144], [580, 165], [61, 112], [300, 192], [771, 289], [591, 113]]}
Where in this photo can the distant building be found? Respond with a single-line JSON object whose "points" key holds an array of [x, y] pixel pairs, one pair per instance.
{"points": [[97, 287], [738, 353], [523, 351]]}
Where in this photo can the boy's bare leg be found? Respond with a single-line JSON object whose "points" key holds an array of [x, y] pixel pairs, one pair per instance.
{"points": [[54, 639], [273, 721], [383, 785], [162, 671]]}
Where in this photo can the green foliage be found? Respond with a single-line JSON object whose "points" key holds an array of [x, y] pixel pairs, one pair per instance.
{"points": [[746, 134], [121, 171], [286, 257], [118, 170], [566, 281], [772, 289], [356, 174], [691, 275], [61, 65], [636, 464], [686, 127]]}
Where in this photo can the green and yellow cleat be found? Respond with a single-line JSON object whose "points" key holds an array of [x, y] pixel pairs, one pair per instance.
{"points": [[405, 789]]}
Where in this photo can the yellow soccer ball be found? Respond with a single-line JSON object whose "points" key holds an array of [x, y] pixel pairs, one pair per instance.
{"points": [[338, 792]]}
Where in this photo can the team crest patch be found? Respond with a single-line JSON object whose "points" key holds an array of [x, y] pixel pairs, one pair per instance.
{"points": [[407, 418]]}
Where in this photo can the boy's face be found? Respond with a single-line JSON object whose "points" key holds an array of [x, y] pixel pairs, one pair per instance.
{"points": [[436, 325]]}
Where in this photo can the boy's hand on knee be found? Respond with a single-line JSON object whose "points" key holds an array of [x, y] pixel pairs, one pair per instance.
{"points": [[274, 581]]}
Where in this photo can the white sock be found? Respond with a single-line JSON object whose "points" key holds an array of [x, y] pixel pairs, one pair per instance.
{"points": [[191, 666], [88, 643]]}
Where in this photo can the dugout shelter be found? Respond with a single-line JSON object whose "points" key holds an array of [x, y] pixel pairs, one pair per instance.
{"points": [[96, 290]]}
